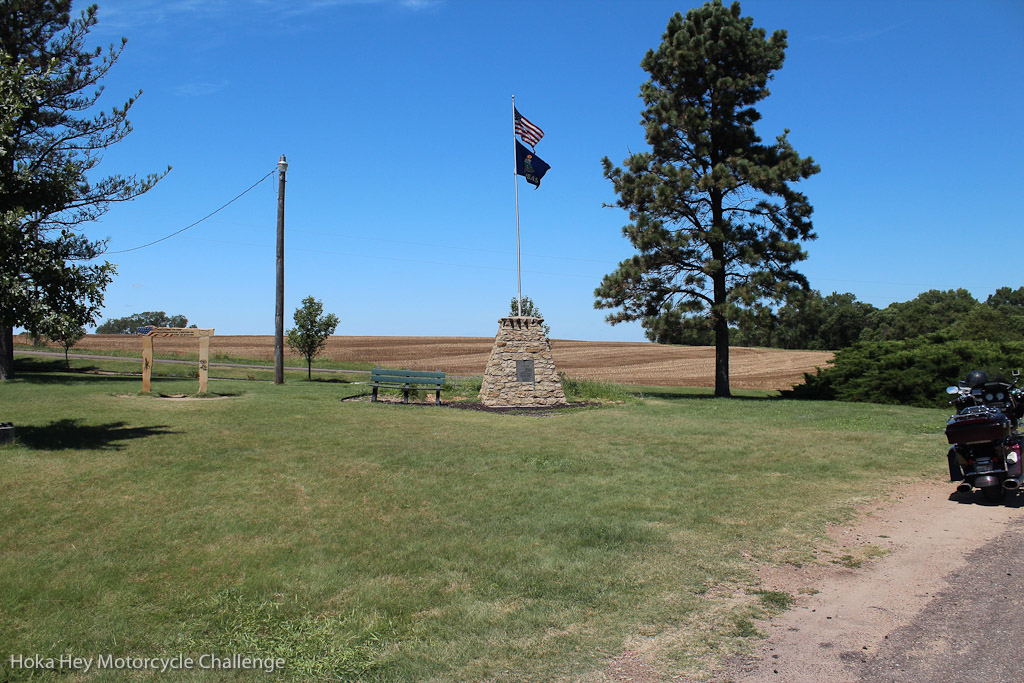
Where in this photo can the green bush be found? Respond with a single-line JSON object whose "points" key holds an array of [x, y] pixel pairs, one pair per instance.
{"points": [[908, 372], [589, 390], [462, 386]]}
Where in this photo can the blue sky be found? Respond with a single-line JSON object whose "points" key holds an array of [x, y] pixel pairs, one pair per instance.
{"points": [[395, 117]]}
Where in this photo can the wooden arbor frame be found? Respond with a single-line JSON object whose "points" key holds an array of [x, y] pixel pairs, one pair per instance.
{"points": [[147, 352]]}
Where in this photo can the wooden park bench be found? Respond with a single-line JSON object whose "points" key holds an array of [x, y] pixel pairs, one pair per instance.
{"points": [[406, 380]]}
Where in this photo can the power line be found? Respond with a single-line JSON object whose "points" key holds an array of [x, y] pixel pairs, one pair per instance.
{"points": [[210, 215], [324, 252]]}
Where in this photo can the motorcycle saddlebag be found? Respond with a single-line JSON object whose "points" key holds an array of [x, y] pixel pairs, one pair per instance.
{"points": [[977, 428]]}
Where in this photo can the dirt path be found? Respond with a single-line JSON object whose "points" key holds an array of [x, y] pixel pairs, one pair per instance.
{"points": [[965, 634], [857, 623]]}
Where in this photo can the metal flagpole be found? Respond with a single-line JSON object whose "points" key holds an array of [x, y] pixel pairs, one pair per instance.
{"points": [[515, 179]]}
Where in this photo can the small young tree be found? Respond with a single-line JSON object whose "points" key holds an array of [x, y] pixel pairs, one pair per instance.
{"points": [[65, 332], [312, 328], [530, 310]]}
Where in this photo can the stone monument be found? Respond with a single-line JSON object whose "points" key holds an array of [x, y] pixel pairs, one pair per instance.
{"points": [[520, 372]]}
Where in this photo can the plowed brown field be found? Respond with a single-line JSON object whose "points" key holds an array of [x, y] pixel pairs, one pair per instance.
{"points": [[621, 362]]}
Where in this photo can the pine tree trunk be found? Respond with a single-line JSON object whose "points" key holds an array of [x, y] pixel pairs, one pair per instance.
{"points": [[718, 317], [721, 356], [721, 324], [6, 352]]}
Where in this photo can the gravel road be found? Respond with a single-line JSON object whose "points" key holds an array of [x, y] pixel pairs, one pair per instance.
{"points": [[971, 631], [943, 606]]}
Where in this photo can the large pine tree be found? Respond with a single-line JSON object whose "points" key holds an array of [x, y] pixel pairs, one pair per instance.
{"points": [[714, 220], [52, 138]]}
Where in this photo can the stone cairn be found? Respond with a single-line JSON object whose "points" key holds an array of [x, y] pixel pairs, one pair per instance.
{"points": [[520, 372]]}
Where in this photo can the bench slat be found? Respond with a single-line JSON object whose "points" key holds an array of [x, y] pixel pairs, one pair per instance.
{"points": [[399, 381], [382, 372]]}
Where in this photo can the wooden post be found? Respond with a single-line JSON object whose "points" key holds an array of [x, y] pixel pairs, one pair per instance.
{"points": [[147, 363], [204, 352], [282, 168], [204, 363]]}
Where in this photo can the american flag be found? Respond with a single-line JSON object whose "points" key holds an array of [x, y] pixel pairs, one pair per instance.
{"points": [[530, 133]]}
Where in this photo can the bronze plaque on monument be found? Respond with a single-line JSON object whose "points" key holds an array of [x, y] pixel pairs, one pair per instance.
{"points": [[524, 371]]}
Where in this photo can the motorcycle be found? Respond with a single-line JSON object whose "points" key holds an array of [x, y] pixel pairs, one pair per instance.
{"points": [[985, 446]]}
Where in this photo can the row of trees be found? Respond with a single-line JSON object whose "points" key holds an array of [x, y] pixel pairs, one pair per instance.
{"points": [[809, 320], [906, 353], [909, 352], [130, 323]]}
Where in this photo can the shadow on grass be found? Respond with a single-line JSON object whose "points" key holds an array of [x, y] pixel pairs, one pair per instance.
{"points": [[327, 380], [34, 371], [208, 396], [54, 372], [67, 434], [675, 395]]}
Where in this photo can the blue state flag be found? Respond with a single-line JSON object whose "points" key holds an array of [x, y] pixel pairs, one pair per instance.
{"points": [[529, 165]]}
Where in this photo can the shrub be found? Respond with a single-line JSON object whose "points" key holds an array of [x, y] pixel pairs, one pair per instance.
{"points": [[588, 390], [908, 372], [462, 386]]}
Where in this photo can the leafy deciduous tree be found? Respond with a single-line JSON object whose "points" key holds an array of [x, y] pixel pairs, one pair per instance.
{"points": [[51, 140], [713, 217], [811, 321], [129, 323], [987, 323], [672, 327], [1007, 299], [928, 312], [42, 284], [312, 328], [757, 325]]}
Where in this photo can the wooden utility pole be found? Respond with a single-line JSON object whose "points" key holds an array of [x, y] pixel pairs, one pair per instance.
{"points": [[282, 168]]}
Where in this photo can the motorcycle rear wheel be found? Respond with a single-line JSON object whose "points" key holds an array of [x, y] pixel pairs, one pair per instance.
{"points": [[993, 494]]}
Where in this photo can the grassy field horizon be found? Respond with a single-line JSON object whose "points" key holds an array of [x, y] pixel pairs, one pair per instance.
{"points": [[634, 363], [379, 543]]}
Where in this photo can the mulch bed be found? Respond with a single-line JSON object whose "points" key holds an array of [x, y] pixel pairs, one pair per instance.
{"points": [[537, 412], [479, 407]]}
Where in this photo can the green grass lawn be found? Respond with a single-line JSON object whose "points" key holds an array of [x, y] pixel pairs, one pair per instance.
{"points": [[133, 366], [292, 364], [373, 542]]}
